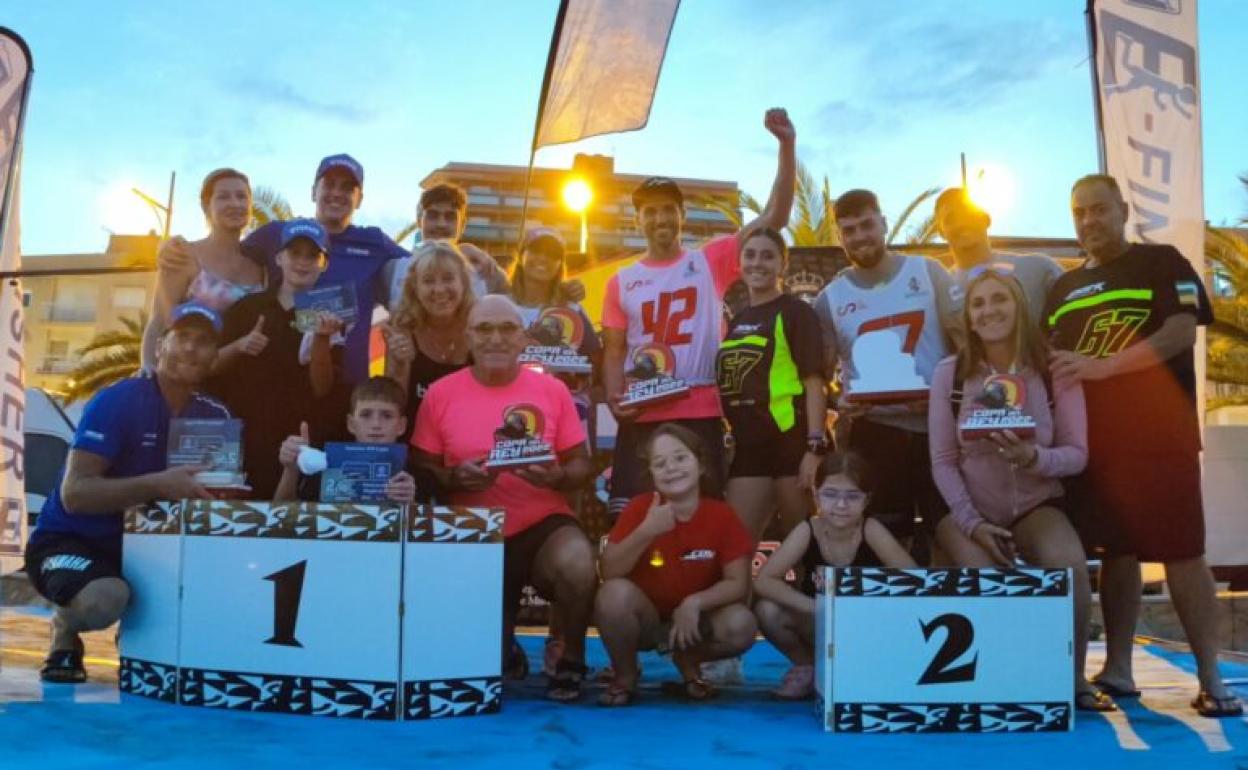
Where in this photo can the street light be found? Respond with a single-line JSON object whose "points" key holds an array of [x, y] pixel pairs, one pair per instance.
{"points": [[577, 195]]}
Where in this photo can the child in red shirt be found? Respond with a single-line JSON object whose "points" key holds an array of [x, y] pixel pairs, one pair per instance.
{"points": [[676, 572]]}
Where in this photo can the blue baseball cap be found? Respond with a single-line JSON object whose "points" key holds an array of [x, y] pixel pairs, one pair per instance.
{"points": [[304, 228], [342, 161], [193, 311]]}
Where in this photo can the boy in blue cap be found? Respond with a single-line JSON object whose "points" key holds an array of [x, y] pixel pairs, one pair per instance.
{"points": [[117, 460], [266, 372]]}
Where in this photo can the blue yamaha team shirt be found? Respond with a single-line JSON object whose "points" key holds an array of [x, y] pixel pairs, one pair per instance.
{"points": [[357, 255], [127, 424]]}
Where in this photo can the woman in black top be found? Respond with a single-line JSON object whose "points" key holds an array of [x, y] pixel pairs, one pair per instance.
{"points": [[838, 535], [771, 385], [426, 338]]}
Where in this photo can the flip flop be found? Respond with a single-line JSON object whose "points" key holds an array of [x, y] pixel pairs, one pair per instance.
{"points": [[690, 689], [1094, 700], [565, 685], [1208, 706], [1113, 690], [617, 695]]}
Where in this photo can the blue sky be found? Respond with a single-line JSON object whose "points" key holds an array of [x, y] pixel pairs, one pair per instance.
{"points": [[883, 94]]}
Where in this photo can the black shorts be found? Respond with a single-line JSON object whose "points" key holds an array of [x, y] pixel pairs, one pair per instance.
{"points": [[1147, 506], [628, 476], [519, 553], [59, 566], [774, 456], [901, 465]]}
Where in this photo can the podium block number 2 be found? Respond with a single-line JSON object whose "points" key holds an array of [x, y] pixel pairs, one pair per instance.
{"points": [[959, 636], [287, 590]]}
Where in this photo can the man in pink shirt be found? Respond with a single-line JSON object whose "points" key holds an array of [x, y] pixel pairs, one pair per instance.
{"points": [[674, 298], [462, 417]]}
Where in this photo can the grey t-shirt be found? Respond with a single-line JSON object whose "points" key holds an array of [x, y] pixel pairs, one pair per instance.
{"points": [[1036, 272]]}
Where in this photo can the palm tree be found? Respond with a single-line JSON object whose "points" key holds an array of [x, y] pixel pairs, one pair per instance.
{"points": [[1227, 343], [812, 223], [268, 205], [109, 356]]}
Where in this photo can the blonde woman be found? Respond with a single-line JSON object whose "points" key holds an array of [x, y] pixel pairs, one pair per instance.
{"points": [[426, 335]]}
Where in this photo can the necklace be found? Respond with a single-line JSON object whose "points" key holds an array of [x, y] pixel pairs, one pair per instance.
{"points": [[439, 350]]}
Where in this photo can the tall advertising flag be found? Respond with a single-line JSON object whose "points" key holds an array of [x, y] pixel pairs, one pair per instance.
{"points": [[603, 68], [15, 74], [1148, 102]]}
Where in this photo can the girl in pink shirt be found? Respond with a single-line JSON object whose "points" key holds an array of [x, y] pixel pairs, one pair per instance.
{"points": [[1002, 487]]}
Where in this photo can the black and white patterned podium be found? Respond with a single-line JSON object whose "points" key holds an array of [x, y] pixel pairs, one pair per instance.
{"points": [[358, 611], [944, 650]]}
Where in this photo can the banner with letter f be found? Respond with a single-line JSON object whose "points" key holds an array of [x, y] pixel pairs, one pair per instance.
{"points": [[1148, 103], [15, 73]]}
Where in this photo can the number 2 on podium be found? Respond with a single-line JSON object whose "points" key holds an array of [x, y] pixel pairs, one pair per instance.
{"points": [[959, 636]]}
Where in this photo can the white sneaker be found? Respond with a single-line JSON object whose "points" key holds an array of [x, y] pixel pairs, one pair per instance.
{"points": [[724, 672]]}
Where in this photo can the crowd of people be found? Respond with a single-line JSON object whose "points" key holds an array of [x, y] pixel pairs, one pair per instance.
{"points": [[771, 426]]}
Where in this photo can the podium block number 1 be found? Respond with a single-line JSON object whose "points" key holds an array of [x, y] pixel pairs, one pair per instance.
{"points": [[287, 590], [959, 637]]}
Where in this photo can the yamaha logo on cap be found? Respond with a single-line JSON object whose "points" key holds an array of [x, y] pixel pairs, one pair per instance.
{"points": [[305, 228], [342, 161]]}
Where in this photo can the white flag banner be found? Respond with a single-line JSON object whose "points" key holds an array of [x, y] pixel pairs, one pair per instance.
{"points": [[606, 68], [1149, 90], [15, 72]]}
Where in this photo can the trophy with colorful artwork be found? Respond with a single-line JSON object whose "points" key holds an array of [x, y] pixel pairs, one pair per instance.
{"points": [[650, 378], [557, 334], [518, 441], [998, 408]]}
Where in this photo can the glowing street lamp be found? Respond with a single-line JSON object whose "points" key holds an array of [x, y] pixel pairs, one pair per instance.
{"points": [[577, 195]]}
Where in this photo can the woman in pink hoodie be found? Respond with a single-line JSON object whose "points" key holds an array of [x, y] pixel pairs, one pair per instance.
{"points": [[1001, 483]]}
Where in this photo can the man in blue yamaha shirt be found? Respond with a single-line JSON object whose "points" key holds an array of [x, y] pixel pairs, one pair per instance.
{"points": [[357, 255], [117, 460]]}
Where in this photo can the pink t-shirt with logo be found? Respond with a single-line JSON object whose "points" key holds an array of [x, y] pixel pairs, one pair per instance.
{"points": [[680, 304], [457, 421]]}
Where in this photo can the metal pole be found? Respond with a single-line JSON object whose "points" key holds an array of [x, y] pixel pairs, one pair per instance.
{"points": [[173, 175], [963, 170], [541, 111], [585, 230], [1090, 14]]}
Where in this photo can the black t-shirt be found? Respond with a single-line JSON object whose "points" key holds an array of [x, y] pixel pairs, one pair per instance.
{"points": [[1099, 311], [767, 351], [271, 392], [424, 372]]}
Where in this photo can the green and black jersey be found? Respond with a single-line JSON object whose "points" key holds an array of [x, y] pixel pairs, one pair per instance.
{"points": [[1099, 311], [767, 351]]}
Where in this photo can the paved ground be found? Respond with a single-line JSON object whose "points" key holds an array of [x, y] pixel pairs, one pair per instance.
{"points": [[90, 726]]}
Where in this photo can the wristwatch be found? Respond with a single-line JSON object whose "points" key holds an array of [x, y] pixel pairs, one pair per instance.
{"points": [[817, 445]]}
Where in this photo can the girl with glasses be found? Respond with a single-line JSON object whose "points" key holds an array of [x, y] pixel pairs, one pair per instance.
{"points": [[838, 534]]}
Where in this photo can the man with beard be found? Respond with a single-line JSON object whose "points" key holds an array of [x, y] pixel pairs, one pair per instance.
{"points": [[675, 297], [117, 460], [1124, 324], [910, 296]]}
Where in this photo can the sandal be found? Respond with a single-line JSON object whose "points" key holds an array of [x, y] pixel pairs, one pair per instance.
{"points": [[65, 666], [1113, 690], [1210, 706], [691, 689], [565, 685], [617, 694], [1094, 700]]}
